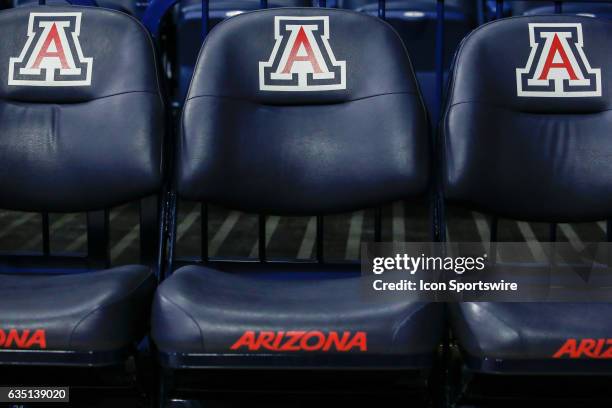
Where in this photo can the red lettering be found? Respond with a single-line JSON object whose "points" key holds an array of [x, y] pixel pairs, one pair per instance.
{"points": [[292, 341], [265, 340], [44, 52], [568, 348], [557, 48], [246, 340], [589, 348], [21, 339], [37, 338], [359, 340], [320, 338], [301, 39], [608, 352], [338, 343], [18, 339], [302, 341], [585, 348]]}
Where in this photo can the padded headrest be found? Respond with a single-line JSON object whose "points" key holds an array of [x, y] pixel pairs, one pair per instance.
{"points": [[81, 113], [104, 56], [303, 111], [527, 125], [246, 49], [536, 64]]}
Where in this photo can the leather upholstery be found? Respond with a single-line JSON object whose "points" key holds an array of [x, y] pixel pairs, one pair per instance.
{"points": [[525, 331], [537, 157], [206, 310], [84, 147], [77, 146], [302, 152], [305, 152], [531, 158], [95, 311]]}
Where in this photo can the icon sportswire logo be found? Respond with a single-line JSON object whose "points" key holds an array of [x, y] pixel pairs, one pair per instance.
{"points": [[23, 339], [302, 58], [52, 54], [585, 348], [557, 65], [292, 341]]}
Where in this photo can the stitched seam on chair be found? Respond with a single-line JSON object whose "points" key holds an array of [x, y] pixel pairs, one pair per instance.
{"points": [[189, 316], [506, 108], [298, 105], [103, 306], [19, 101]]}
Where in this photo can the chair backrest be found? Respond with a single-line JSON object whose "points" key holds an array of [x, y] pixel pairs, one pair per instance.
{"points": [[81, 114], [526, 132], [81, 119], [295, 111]]}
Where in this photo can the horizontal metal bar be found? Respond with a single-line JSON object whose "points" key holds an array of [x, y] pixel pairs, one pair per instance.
{"points": [[271, 264], [291, 361], [65, 358], [38, 263]]}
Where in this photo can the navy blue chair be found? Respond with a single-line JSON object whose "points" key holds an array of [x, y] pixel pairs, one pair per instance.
{"points": [[188, 22], [296, 120], [415, 21], [81, 127], [524, 137]]}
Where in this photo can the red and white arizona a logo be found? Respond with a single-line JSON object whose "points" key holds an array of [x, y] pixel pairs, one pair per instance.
{"points": [[302, 59], [557, 65], [52, 54]]}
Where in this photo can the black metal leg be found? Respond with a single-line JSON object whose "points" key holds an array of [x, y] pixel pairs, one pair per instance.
{"points": [[165, 385], [146, 381]]}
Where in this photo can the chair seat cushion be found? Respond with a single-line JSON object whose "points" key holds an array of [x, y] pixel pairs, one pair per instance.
{"points": [[87, 312], [544, 336], [201, 310]]}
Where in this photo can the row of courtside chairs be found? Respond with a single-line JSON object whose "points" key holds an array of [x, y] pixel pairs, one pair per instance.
{"points": [[414, 20], [305, 129]]}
